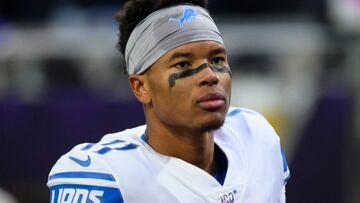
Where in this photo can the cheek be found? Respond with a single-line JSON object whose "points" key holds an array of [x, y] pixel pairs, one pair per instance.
{"points": [[164, 96], [226, 82], [176, 100], [158, 88], [181, 93], [168, 102], [225, 79]]}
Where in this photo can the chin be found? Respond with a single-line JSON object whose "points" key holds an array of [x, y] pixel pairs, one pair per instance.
{"points": [[212, 125]]}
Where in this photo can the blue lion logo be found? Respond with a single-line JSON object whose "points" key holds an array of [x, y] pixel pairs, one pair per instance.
{"points": [[187, 15]]}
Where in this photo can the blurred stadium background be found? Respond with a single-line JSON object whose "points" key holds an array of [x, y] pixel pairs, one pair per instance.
{"points": [[297, 62]]}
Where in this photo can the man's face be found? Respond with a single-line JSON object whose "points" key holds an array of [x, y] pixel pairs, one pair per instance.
{"points": [[190, 86]]}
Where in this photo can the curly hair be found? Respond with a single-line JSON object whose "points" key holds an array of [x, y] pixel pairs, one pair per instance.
{"points": [[136, 10]]}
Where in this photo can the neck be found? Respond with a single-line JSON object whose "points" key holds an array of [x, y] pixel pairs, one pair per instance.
{"points": [[196, 148]]}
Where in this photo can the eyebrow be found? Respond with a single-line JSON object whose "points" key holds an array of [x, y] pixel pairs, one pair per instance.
{"points": [[180, 55], [217, 51]]}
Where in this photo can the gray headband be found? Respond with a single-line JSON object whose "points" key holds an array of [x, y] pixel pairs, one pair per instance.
{"points": [[166, 29]]}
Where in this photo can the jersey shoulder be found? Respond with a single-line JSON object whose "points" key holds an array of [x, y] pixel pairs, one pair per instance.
{"points": [[251, 126], [81, 176], [84, 173], [249, 122]]}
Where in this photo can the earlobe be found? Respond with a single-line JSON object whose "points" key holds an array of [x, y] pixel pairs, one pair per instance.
{"points": [[139, 88]]}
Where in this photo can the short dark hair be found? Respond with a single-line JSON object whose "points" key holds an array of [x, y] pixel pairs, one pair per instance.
{"points": [[136, 10]]}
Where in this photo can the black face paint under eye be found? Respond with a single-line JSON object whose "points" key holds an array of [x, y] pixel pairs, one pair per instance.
{"points": [[190, 72], [221, 69]]}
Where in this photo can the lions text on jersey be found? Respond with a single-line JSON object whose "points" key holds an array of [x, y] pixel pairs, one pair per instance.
{"points": [[122, 167]]}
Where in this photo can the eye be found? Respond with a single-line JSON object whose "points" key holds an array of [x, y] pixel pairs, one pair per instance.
{"points": [[217, 60], [182, 65]]}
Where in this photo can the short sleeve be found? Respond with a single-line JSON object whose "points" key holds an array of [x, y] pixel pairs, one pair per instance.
{"points": [[81, 176]]}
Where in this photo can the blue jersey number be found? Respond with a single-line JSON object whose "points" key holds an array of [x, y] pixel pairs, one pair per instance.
{"points": [[108, 148]]}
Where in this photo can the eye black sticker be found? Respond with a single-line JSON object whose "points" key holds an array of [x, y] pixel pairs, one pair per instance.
{"points": [[190, 72]]}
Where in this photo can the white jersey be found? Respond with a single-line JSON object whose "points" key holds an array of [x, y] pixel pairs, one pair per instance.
{"points": [[122, 167]]}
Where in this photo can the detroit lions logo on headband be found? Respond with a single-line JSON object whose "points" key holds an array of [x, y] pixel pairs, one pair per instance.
{"points": [[186, 16]]}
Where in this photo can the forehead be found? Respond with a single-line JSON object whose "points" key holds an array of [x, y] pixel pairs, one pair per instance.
{"points": [[203, 46]]}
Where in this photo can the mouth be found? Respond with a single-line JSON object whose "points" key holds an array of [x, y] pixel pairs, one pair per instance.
{"points": [[212, 101]]}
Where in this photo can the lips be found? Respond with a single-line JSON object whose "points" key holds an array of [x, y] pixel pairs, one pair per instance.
{"points": [[212, 101]]}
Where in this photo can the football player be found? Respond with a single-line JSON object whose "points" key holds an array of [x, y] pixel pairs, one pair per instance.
{"points": [[194, 147]]}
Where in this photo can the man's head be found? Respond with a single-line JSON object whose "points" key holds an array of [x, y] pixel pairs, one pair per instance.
{"points": [[177, 64]]}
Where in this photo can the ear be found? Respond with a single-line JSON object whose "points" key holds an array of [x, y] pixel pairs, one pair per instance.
{"points": [[139, 88]]}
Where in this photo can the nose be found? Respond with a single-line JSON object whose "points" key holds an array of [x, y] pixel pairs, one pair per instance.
{"points": [[208, 77]]}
